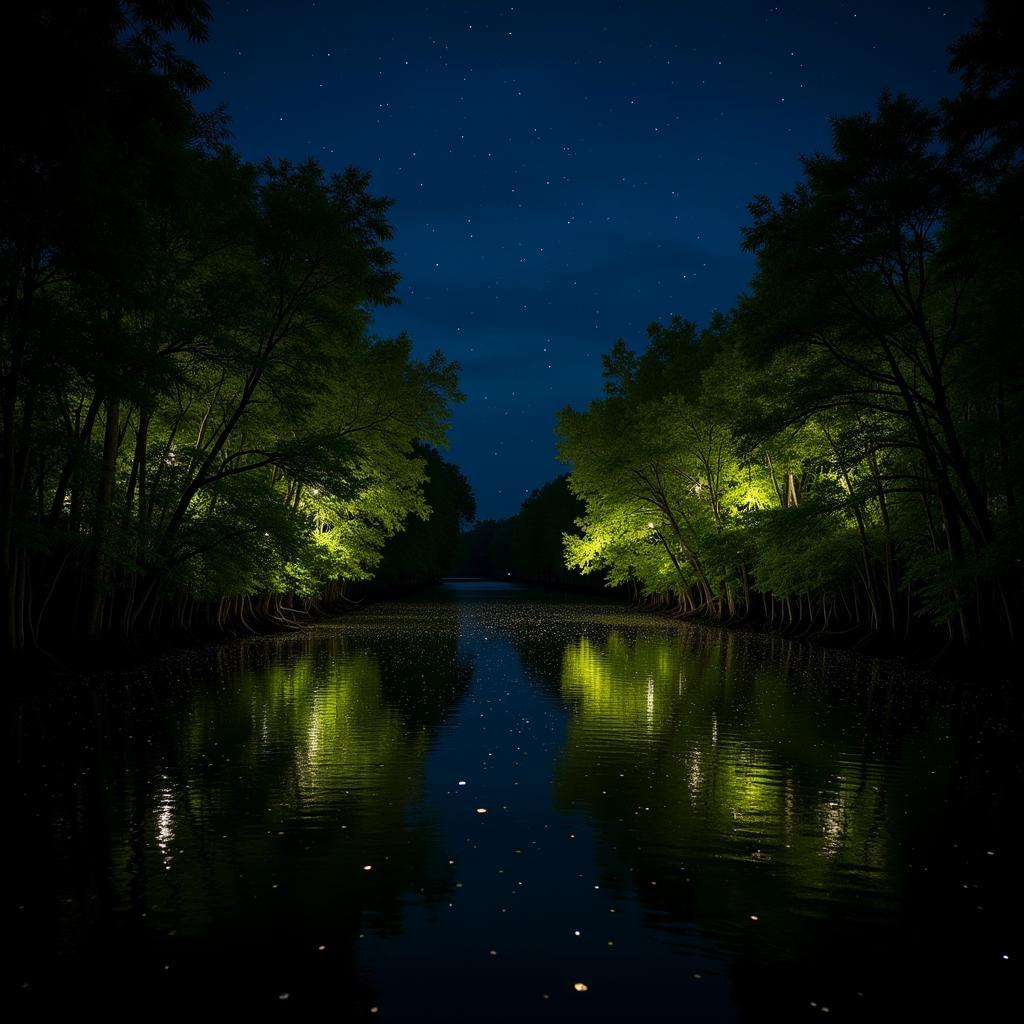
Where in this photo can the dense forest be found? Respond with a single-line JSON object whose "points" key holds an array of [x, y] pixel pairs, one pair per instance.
{"points": [[529, 545], [841, 453], [429, 546], [199, 426], [200, 429]]}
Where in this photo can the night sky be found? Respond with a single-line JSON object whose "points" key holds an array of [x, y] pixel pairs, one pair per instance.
{"points": [[564, 173]]}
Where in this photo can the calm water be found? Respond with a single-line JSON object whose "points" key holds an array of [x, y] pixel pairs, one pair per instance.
{"points": [[468, 805]]}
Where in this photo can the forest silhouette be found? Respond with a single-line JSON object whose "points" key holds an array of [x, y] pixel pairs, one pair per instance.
{"points": [[201, 430]]}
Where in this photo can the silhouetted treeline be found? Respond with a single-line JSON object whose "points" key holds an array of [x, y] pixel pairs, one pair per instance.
{"points": [[529, 545], [429, 548], [841, 453], [198, 426]]}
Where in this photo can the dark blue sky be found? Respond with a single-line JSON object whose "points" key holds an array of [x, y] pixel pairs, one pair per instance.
{"points": [[564, 172]]}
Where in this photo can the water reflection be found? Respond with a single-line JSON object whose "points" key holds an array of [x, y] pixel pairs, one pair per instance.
{"points": [[764, 799], [688, 822], [754, 779], [238, 824]]}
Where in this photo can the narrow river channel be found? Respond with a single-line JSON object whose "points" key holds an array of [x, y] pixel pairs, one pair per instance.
{"points": [[494, 803]]}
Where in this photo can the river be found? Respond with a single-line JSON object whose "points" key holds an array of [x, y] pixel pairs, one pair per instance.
{"points": [[495, 803]]}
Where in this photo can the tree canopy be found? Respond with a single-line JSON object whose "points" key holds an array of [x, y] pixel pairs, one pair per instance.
{"points": [[841, 452], [198, 421]]}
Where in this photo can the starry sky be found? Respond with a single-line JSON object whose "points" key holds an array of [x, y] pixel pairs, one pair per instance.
{"points": [[564, 173]]}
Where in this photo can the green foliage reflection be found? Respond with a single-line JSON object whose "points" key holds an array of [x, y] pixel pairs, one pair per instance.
{"points": [[718, 788]]}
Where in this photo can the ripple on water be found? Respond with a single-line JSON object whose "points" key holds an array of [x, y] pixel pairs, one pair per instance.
{"points": [[487, 795]]}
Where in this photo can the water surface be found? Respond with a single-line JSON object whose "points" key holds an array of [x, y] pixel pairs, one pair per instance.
{"points": [[488, 802]]}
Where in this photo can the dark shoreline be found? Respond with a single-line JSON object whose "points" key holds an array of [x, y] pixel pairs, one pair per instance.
{"points": [[129, 654]]}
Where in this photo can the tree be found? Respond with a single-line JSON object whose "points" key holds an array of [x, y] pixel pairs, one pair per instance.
{"points": [[844, 445], [428, 548], [198, 423]]}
